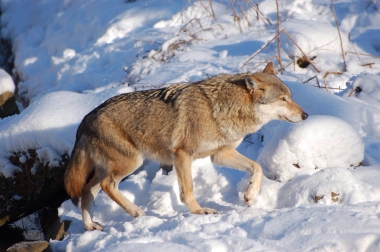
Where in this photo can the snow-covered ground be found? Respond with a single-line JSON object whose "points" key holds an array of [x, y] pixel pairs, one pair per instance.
{"points": [[322, 186]]}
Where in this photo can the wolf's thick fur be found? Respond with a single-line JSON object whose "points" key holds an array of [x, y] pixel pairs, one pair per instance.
{"points": [[175, 125]]}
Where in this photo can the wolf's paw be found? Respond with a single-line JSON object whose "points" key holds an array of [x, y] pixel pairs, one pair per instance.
{"points": [[135, 211], [248, 199], [205, 210], [252, 191], [93, 226], [250, 196]]}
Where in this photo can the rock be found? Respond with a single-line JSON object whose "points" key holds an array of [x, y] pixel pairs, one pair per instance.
{"points": [[35, 186], [34, 246], [51, 225], [5, 96], [8, 105], [9, 235]]}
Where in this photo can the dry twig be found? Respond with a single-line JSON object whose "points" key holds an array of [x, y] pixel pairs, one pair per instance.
{"points": [[340, 37], [356, 52], [236, 17], [315, 77], [183, 29], [325, 75], [365, 54], [299, 48], [291, 39], [278, 38], [243, 13], [212, 14], [368, 64], [261, 48], [259, 14]]}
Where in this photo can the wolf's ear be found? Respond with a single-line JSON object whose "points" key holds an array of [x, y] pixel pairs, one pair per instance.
{"points": [[269, 69], [251, 83]]}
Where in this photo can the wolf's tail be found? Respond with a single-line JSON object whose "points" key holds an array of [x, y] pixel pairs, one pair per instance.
{"points": [[77, 172]]}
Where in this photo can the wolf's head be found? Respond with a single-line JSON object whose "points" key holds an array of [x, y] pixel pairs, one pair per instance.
{"points": [[272, 98]]}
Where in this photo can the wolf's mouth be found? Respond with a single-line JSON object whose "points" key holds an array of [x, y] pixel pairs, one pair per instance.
{"points": [[289, 120], [284, 118]]}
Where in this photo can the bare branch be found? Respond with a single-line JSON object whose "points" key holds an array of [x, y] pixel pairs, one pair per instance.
{"points": [[325, 75], [365, 54], [291, 39], [314, 77], [262, 48], [299, 48], [340, 38], [278, 38]]}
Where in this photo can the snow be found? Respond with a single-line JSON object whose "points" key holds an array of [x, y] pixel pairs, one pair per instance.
{"points": [[317, 143], [312, 36], [6, 82], [52, 130], [365, 87], [73, 55]]}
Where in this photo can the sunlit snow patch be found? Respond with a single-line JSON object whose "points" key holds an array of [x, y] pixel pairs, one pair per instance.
{"points": [[6, 82], [313, 37], [317, 143], [365, 87]]}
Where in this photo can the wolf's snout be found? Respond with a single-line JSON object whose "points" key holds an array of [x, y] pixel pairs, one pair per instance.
{"points": [[304, 116]]}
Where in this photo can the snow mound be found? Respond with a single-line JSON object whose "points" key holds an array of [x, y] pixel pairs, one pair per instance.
{"points": [[329, 186], [6, 82], [365, 87], [311, 36], [48, 125], [317, 143]]}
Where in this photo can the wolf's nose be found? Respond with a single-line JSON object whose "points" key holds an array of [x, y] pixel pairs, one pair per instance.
{"points": [[304, 116]]}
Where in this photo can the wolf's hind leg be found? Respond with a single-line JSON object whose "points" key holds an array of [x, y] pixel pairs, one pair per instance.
{"points": [[182, 164], [230, 157], [87, 200], [119, 169]]}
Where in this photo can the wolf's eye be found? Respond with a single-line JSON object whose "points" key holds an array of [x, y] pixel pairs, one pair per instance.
{"points": [[283, 98]]}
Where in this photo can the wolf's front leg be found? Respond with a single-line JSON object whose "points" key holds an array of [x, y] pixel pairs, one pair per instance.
{"points": [[182, 164], [230, 157]]}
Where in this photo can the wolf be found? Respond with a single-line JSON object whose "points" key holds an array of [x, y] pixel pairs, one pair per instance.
{"points": [[174, 126]]}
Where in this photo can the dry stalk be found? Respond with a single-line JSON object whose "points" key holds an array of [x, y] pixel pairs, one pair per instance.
{"points": [[259, 14], [203, 30], [266, 62], [183, 29], [212, 14], [239, 9], [356, 52], [243, 13], [351, 92], [278, 38], [236, 16], [299, 48], [261, 48], [365, 54], [325, 75], [340, 37], [315, 77], [368, 64], [271, 40]]}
